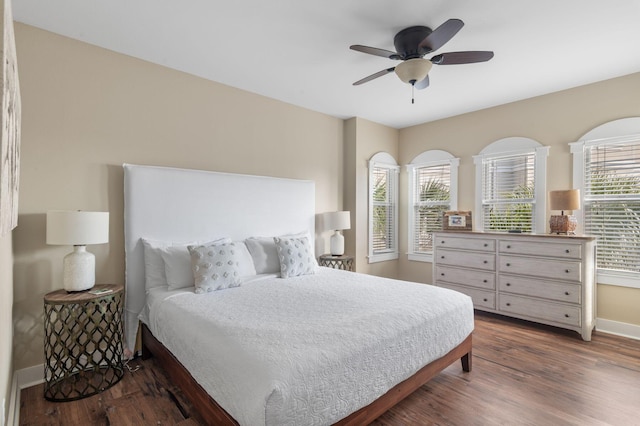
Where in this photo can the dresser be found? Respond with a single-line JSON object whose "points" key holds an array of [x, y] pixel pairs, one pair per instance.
{"points": [[548, 279]]}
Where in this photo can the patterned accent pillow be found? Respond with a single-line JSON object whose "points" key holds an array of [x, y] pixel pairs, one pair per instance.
{"points": [[215, 267], [296, 257]]}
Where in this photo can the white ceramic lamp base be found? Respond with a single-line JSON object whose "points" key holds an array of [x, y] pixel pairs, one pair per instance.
{"points": [[337, 244], [79, 269]]}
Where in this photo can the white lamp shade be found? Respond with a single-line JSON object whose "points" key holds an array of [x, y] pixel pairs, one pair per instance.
{"points": [[413, 70], [337, 220], [77, 227]]}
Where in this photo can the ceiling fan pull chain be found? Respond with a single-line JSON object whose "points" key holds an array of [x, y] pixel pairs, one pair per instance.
{"points": [[413, 86]]}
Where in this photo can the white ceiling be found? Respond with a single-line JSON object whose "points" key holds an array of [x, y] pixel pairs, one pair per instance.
{"points": [[298, 51]]}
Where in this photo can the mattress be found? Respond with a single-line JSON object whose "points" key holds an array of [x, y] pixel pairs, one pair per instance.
{"points": [[307, 350]]}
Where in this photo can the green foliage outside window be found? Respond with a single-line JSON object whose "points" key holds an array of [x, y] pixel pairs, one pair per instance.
{"points": [[513, 215], [613, 216]]}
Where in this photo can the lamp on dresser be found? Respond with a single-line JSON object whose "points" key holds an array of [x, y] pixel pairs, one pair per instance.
{"points": [[564, 200], [337, 221], [78, 229]]}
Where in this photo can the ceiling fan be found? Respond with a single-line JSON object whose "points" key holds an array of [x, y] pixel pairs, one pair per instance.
{"points": [[412, 44]]}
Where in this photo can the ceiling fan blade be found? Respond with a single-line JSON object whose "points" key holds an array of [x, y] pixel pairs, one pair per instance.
{"points": [[375, 51], [440, 36], [374, 76], [455, 58], [422, 84]]}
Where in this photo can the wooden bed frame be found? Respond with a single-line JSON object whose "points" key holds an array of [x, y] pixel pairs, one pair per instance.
{"points": [[213, 413]]}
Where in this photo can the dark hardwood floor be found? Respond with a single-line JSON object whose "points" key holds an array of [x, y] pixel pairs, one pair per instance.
{"points": [[523, 374]]}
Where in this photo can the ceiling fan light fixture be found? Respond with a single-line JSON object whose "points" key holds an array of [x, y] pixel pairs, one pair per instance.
{"points": [[414, 70]]}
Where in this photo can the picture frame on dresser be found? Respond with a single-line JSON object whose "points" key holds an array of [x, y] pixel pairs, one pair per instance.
{"points": [[457, 221]]}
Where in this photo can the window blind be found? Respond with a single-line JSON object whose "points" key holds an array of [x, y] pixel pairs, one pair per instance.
{"points": [[432, 195], [508, 189], [612, 203], [384, 209]]}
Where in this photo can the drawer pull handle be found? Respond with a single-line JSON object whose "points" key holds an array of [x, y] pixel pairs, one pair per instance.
{"points": [[441, 257], [508, 264], [441, 242], [567, 271], [484, 281], [485, 300], [508, 304], [566, 293], [566, 315], [485, 261], [486, 245], [567, 251], [508, 247], [442, 274], [508, 284]]}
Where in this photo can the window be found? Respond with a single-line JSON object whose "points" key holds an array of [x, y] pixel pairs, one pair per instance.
{"points": [[433, 185], [510, 186], [383, 208], [608, 172]]}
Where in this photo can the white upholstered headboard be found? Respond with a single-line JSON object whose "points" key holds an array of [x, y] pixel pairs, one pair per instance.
{"points": [[182, 205]]}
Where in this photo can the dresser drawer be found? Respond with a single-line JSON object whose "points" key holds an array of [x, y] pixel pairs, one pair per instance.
{"points": [[480, 279], [478, 244], [556, 269], [533, 248], [467, 259], [563, 292], [480, 298], [540, 309]]}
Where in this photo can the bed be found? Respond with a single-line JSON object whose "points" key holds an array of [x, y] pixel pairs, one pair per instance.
{"points": [[327, 347]]}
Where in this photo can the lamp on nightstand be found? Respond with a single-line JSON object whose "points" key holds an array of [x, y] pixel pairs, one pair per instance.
{"points": [[564, 200], [78, 229], [337, 221]]}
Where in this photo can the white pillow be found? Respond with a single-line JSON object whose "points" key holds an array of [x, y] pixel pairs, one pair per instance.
{"points": [[154, 275], [247, 269], [264, 254], [215, 266], [177, 263], [296, 256]]}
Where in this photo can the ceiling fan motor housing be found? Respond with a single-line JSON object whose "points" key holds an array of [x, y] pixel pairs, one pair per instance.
{"points": [[407, 41]]}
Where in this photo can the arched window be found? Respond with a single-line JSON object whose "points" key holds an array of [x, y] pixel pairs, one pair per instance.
{"points": [[383, 208], [433, 189], [606, 168], [511, 187]]}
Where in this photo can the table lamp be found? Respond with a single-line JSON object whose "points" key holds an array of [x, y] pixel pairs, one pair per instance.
{"points": [[564, 200], [337, 221], [78, 228]]}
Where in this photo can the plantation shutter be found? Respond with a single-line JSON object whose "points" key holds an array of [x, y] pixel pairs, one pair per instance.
{"points": [[432, 195], [384, 209], [612, 203], [508, 189]]}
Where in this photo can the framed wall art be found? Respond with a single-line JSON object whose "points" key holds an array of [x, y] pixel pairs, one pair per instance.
{"points": [[9, 125]]}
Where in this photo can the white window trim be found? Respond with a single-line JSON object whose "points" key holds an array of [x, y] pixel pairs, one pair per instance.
{"points": [[383, 160], [427, 159], [617, 131], [508, 147]]}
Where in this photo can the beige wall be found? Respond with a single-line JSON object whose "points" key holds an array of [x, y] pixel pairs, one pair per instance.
{"points": [[87, 110], [6, 323], [554, 120], [363, 139]]}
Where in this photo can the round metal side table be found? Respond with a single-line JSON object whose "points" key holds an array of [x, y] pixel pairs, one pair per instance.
{"points": [[82, 342], [337, 262]]}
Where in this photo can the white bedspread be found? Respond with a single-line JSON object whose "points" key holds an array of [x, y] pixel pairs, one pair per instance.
{"points": [[307, 350]]}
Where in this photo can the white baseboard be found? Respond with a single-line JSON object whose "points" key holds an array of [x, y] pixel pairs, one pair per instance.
{"points": [[24, 378], [623, 329]]}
